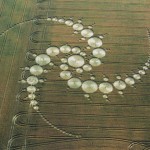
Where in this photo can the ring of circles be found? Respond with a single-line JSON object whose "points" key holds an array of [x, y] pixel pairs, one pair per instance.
{"points": [[79, 63]]}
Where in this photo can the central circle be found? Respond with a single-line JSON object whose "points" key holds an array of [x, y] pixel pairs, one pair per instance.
{"points": [[76, 61]]}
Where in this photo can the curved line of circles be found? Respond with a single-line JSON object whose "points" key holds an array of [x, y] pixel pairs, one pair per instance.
{"points": [[76, 61]]}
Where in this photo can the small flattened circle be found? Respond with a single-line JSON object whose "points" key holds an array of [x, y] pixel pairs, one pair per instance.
{"points": [[129, 81], [65, 49], [142, 72], [64, 67], [31, 96], [147, 64], [119, 85], [87, 67], [69, 22], [95, 62], [31, 89], [65, 75], [76, 50], [36, 70], [32, 80], [145, 68], [52, 51], [74, 83], [42, 59], [137, 76], [61, 20], [77, 26], [33, 102], [89, 86], [79, 70], [64, 60], [76, 61], [95, 42], [83, 54], [87, 33], [105, 87], [99, 53]]}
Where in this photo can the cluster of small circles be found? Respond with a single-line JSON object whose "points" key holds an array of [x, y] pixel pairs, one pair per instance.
{"points": [[137, 76], [77, 61], [35, 71], [94, 42], [105, 87], [90, 86], [32, 81]]}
